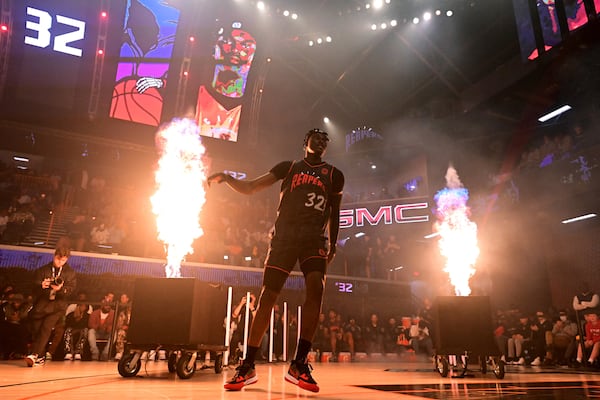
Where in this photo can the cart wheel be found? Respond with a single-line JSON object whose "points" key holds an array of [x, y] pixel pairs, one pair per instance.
{"points": [[441, 364], [219, 363], [184, 370], [499, 369], [127, 368], [172, 362], [483, 363]]}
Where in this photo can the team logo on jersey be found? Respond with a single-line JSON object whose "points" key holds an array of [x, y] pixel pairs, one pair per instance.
{"points": [[306, 179], [325, 171]]}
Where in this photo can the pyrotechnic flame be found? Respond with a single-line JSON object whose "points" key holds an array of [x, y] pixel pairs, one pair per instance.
{"points": [[458, 234], [180, 194]]}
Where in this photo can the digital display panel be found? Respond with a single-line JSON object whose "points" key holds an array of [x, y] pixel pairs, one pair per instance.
{"points": [[220, 97], [149, 33], [51, 45]]}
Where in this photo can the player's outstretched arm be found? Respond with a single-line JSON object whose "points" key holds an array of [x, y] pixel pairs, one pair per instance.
{"points": [[246, 186]]}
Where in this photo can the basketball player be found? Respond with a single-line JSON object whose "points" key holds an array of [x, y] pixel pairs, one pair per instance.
{"points": [[310, 198]]}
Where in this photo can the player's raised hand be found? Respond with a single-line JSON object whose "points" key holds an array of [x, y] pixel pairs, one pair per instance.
{"points": [[219, 177]]}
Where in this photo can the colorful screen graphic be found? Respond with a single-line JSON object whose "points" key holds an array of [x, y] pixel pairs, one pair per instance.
{"points": [[149, 36], [549, 24], [576, 15], [219, 103]]}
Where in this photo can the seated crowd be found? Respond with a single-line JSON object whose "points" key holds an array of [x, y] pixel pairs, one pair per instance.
{"points": [[87, 331]]}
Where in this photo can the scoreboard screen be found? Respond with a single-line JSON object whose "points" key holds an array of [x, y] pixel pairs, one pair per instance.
{"points": [[50, 49]]}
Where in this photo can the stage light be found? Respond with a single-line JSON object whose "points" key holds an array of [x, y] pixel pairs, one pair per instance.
{"points": [[3, 28], [286, 13], [377, 4], [373, 27], [319, 40], [294, 16], [373, 166], [554, 113], [580, 218], [326, 120], [260, 5], [383, 26], [393, 23], [415, 20], [269, 59], [449, 13], [328, 39], [192, 39], [185, 73], [100, 52], [438, 12], [368, 5], [427, 16], [311, 43], [104, 14], [388, 1]]}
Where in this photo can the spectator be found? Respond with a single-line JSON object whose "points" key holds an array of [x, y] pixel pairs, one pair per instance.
{"points": [[520, 336], [76, 331], [14, 336], [564, 332], [391, 336], [420, 337], [100, 327], [592, 340], [123, 317], [373, 334], [541, 336], [353, 336]]}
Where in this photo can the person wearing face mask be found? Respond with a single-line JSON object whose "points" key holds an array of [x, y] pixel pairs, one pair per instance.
{"points": [[564, 333]]}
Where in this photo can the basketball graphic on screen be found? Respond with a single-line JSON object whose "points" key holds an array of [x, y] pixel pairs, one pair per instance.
{"points": [[130, 105]]}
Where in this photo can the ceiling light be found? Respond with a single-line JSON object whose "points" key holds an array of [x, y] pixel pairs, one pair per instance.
{"points": [[449, 13], [427, 16], [260, 5], [311, 43], [328, 39], [367, 6], [319, 40], [294, 16], [373, 27], [326, 120], [286, 13], [383, 26], [393, 22], [416, 20], [377, 4], [438, 12], [580, 218], [554, 113]]}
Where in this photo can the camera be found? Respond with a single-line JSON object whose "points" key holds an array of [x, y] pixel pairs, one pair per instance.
{"points": [[57, 281]]}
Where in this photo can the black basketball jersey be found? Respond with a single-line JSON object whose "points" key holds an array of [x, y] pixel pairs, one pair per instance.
{"points": [[304, 197]]}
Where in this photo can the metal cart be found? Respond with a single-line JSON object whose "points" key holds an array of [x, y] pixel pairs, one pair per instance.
{"points": [[182, 316], [183, 360], [464, 337]]}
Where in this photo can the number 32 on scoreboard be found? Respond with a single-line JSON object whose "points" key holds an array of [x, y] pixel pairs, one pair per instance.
{"points": [[62, 42]]}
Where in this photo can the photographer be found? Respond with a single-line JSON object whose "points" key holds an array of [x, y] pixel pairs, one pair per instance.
{"points": [[53, 283]]}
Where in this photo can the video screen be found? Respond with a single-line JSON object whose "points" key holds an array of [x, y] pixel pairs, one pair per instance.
{"points": [[50, 47], [149, 32]]}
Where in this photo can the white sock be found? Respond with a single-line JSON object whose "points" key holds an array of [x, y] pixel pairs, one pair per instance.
{"points": [[579, 360], [591, 361]]}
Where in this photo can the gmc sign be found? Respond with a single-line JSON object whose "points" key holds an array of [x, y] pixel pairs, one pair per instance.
{"points": [[388, 214]]}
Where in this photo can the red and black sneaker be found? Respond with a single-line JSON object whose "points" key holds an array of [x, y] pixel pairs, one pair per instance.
{"points": [[245, 375], [299, 374]]}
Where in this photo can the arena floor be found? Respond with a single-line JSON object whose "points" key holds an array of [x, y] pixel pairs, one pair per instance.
{"points": [[382, 379]]}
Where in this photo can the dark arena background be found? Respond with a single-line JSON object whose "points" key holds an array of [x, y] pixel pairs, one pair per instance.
{"points": [[504, 91]]}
